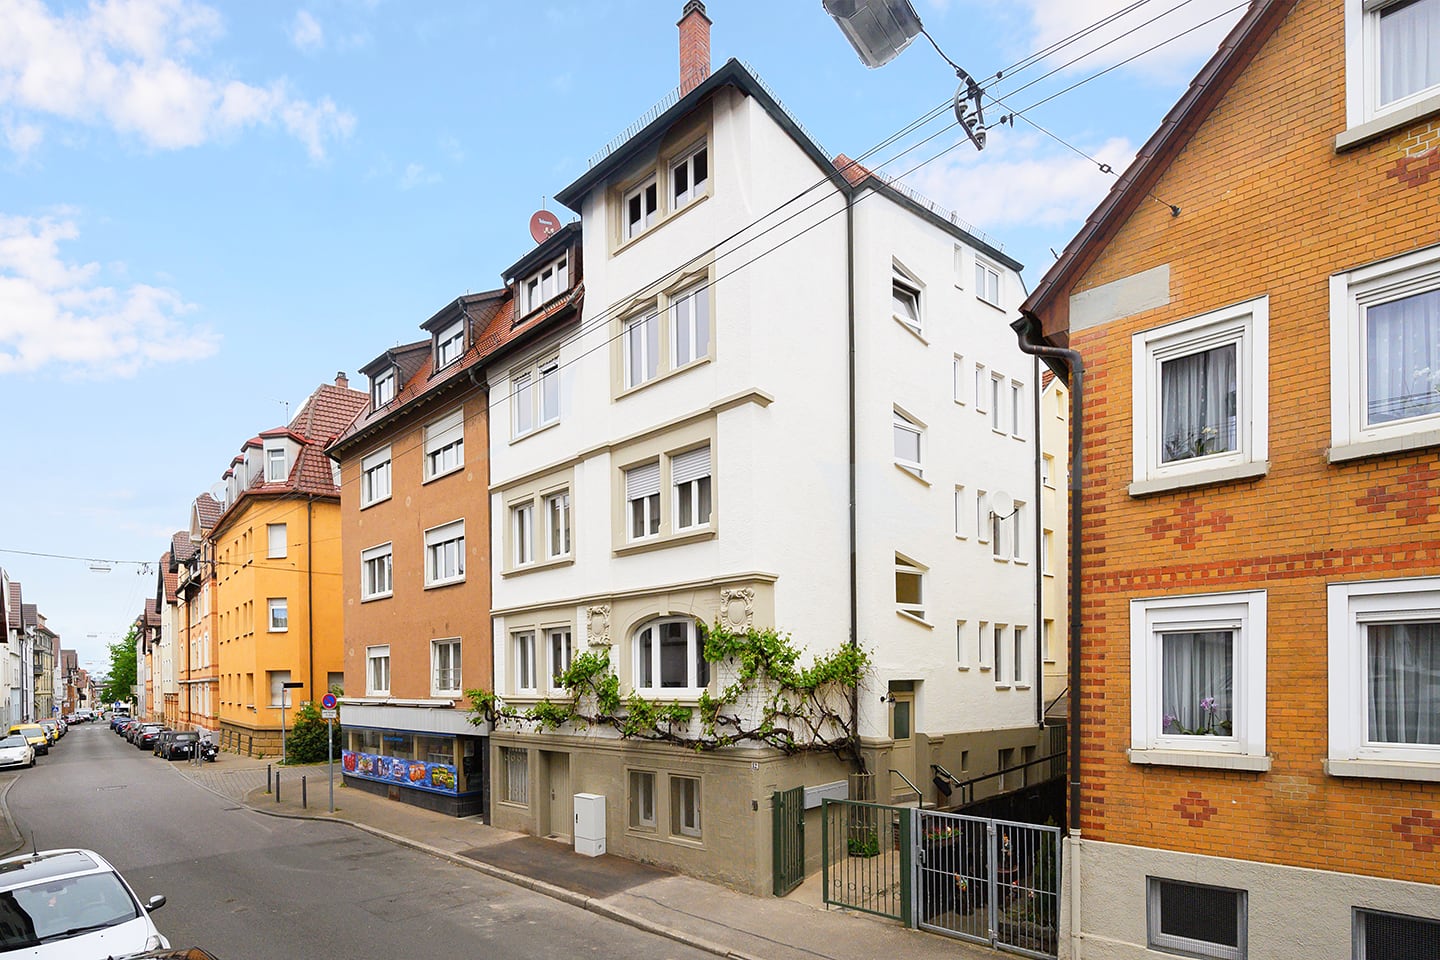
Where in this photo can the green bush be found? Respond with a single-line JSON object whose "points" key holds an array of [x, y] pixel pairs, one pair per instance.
{"points": [[305, 741]]}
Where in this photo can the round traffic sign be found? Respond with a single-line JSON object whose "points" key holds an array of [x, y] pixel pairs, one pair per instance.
{"points": [[328, 701]]}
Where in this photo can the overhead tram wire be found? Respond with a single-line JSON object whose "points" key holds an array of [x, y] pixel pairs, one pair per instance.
{"points": [[1026, 62]]}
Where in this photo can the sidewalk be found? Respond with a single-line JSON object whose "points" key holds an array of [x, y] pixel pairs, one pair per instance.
{"points": [[702, 915]]}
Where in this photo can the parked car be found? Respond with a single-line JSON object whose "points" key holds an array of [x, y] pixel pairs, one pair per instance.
{"points": [[176, 744], [34, 733], [145, 736], [72, 903], [15, 751], [52, 730]]}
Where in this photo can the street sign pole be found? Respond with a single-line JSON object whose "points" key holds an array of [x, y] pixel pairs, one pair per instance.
{"points": [[330, 754]]}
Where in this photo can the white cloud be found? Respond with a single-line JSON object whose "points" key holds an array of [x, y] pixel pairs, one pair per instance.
{"points": [[416, 175], [1126, 36], [140, 67], [1029, 181], [22, 138], [306, 32], [54, 313]]}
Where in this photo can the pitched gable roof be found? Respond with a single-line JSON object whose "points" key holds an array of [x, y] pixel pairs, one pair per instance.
{"points": [[15, 605], [1050, 300]]}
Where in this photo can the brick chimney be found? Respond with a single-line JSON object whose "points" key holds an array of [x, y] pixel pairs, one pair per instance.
{"points": [[694, 46], [341, 380]]}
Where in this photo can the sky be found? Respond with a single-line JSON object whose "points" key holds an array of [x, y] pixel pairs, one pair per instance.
{"points": [[207, 210]]}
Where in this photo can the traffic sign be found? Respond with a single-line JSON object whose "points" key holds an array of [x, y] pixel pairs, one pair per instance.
{"points": [[328, 701], [329, 714]]}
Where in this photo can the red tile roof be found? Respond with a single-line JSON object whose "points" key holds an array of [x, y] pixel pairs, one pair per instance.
{"points": [[170, 581], [15, 605], [208, 509], [182, 548]]}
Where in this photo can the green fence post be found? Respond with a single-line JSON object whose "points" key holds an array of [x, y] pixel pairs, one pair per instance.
{"points": [[907, 876], [825, 851]]}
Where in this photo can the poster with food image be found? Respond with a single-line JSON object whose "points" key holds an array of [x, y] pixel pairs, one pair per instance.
{"points": [[365, 765], [416, 772], [442, 777], [348, 761]]}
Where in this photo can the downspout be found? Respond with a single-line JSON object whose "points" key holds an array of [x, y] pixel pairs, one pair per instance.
{"points": [[854, 568], [309, 591], [1039, 558], [1025, 328]]}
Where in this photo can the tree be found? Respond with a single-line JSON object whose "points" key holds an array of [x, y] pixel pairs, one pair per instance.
{"points": [[122, 668], [306, 740]]}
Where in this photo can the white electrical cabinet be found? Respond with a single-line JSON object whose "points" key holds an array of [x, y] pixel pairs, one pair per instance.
{"points": [[590, 824]]}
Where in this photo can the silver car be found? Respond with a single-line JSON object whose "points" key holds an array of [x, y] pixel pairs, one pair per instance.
{"points": [[15, 751], [72, 905]]}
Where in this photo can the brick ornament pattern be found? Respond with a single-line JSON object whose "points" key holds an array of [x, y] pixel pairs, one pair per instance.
{"points": [[1415, 171], [1421, 830], [1184, 525], [1414, 496], [1194, 809]]}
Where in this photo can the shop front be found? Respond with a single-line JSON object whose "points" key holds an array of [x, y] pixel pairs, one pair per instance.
{"points": [[427, 754]]}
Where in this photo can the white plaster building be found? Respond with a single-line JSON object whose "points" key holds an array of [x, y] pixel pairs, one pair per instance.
{"points": [[686, 455]]}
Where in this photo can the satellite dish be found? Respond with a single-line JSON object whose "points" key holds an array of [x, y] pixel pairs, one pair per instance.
{"points": [[1002, 504], [217, 491], [543, 225]]}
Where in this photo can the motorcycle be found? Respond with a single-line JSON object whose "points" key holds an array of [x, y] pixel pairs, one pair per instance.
{"points": [[208, 751]]}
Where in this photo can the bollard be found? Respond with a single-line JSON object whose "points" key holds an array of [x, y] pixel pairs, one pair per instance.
{"points": [[303, 794], [277, 786], [267, 778]]}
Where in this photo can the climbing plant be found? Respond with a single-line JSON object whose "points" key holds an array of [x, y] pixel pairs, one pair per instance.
{"points": [[770, 698]]}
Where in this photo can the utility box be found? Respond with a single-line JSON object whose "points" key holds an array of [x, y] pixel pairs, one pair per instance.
{"points": [[590, 824]]}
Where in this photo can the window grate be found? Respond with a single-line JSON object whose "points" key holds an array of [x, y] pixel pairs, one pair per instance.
{"points": [[1387, 936]]}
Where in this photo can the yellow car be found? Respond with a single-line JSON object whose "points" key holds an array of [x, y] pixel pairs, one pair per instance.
{"points": [[36, 734]]}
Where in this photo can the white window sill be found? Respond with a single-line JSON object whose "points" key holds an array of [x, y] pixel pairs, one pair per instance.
{"points": [[534, 430], [377, 596], [1022, 686], [660, 221], [540, 565], [445, 694], [436, 584], [989, 303], [913, 331], [984, 668], [660, 375], [907, 615], [1394, 444], [1384, 770], [1373, 129], [659, 542], [682, 696], [441, 476], [913, 473], [1200, 758], [961, 536], [278, 630], [1001, 685], [1243, 471], [963, 666]]}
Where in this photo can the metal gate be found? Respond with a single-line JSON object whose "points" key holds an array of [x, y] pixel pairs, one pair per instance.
{"points": [[991, 881], [865, 858], [788, 838]]}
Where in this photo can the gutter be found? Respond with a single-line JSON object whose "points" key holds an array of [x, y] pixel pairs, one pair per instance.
{"points": [[1039, 557], [309, 592], [850, 383], [1025, 328]]}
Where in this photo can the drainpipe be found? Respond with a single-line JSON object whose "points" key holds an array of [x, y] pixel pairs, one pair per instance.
{"points": [[309, 594], [1026, 328], [854, 575], [1039, 560]]}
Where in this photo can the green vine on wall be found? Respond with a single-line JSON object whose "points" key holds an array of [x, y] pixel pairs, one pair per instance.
{"points": [[771, 701]]}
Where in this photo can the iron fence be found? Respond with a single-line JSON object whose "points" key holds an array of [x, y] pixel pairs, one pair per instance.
{"points": [[866, 863]]}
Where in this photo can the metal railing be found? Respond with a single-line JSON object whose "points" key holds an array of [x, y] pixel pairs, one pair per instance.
{"points": [[865, 860], [919, 797], [967, 787]]}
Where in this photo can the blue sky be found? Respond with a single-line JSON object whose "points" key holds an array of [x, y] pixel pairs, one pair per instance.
{"points": [[208, 210]]}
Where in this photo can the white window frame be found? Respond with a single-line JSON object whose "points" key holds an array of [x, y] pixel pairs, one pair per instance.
{"points": [[687, 484], [1017, 669], [692, 192], [515, 767], [981, 388], [445, 441], [698, 296], [1170, 943], [436, 540], [905, 288], [957, 375], [685, 818], [987, 282], [1247, 326], [1047, 547], [636, 814], [960, 512], [549, 376], [375, 473], [382, 557], [561, 641], [560, 498], [437, 672], [535, 397], [545, 284], [273, 475], [983, 524], [648, 498], [902, 422], [1351, 294], [522, 533], [631, 340], [1351, 606], [997, 406], [1362, 74], [278, 614], [904, 566], [694, 646], [276, 680], [376, 662], [1047, 470], [982, 631], [450, 345], [632, 229], [522, 403], [962, 655], [276, 545], [1243, 612], [382, 389], [1017, 409], [997, 652], [526, 671]]}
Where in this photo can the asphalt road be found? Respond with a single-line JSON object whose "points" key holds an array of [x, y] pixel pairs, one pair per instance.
{"points": [[250, 887]]}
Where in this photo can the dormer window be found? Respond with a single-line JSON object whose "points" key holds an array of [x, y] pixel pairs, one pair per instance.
{"points": [[449, 344], [382, 389], [551, 281], [641, 205], [689, 177], [275, 467]]}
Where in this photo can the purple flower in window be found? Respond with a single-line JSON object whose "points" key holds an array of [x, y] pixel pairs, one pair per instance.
{"points": [[1208, 705]]}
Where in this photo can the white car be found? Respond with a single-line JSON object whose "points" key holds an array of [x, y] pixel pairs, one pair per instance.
{"points": [[15, 751], [72, 905]]}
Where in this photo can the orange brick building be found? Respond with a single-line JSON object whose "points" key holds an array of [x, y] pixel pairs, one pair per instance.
{"points": [[1259, 540]]}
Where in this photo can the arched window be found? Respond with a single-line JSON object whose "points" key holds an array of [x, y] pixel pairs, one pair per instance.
{"points": [[670, 656]]}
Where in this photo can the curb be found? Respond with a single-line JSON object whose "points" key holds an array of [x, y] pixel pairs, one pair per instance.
{"points": [[541, 887]]}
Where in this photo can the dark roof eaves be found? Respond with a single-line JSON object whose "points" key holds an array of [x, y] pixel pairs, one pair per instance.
{"points": [[873, 182], [1209, 86], [732, 73], [542, 252]]}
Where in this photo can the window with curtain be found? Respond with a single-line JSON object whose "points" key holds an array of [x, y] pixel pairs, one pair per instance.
{"points": [[690, 325], [641, 343], [1197, 678], [1402, 358], [690, 475], [642, 500], [1198, 404], [1409, 48], [1402, 683], [670, 655]]}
